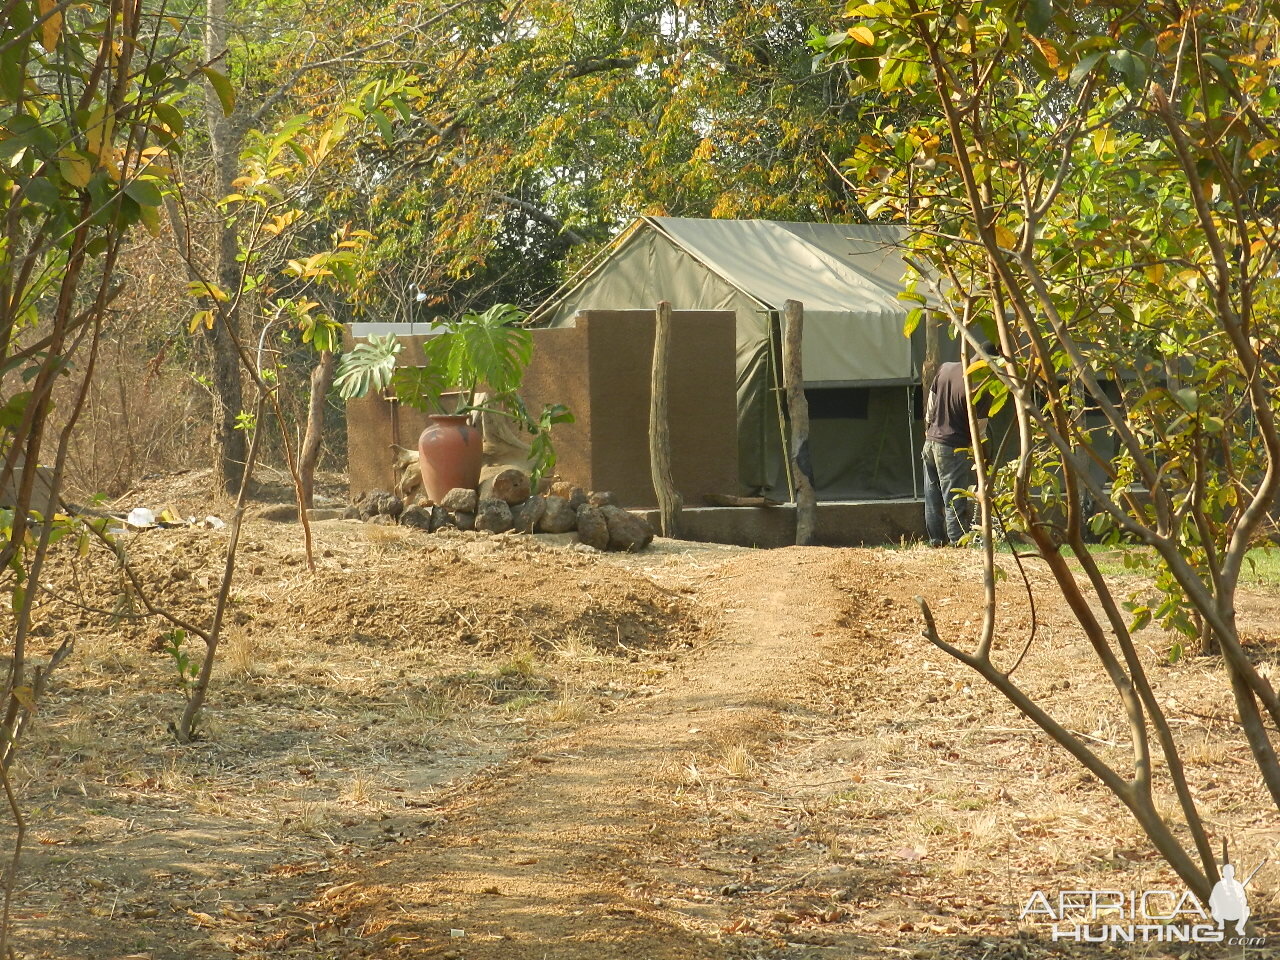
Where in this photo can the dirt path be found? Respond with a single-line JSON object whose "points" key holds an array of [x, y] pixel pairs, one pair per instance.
{"points": [[814, 783], [473, 748], [553, 855]]}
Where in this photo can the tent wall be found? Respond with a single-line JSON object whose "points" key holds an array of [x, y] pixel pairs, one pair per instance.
{"points": [[647, 267]]}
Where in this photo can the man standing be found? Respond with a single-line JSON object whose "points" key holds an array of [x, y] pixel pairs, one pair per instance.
{"points": [[948, 464]]}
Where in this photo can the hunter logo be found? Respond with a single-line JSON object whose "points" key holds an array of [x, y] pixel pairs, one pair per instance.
{"points": [[1229, 902], [1148, 916]]}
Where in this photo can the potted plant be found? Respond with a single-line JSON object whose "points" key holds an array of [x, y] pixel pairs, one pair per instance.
{"points": [[477, 351]]}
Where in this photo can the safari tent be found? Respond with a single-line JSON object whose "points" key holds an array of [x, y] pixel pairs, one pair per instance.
{"points": [[862, 376]]}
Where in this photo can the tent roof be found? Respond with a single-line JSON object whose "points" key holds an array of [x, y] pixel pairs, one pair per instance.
{"points": [[835, 267]]}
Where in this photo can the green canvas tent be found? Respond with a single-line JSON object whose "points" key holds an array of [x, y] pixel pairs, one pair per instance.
{"points": [[861, 374]]}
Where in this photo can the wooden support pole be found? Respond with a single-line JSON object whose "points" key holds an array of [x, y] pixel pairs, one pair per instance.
{"points": [[669, 502], [798, 408]]}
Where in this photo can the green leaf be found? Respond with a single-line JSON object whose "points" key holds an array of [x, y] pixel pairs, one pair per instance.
{"points": [[76, 169], [1220, 67], [171, 117], [1189, 399], [1085, 66], [222, 87], [11, 63], [368, 366], [1141, 617], [384, 127], [485, 348], [43, 191], [1131, 67], [914, 316], [419, 387], [150, 216], [13, 409], [145, 192], [1039, 16]]}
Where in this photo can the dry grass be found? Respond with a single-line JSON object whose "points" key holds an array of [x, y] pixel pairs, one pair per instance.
{"points": [[739, 763], [349, 711], [239, 657], [521, 664], [576, 647], [347, 699], [384, 541], [359, 791], [569, 709]]}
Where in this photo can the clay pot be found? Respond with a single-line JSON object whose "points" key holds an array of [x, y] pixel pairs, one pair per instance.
{"points": [[449, 453]]}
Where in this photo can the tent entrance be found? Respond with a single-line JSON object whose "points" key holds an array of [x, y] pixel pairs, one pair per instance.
{"points": [[863, 441]]}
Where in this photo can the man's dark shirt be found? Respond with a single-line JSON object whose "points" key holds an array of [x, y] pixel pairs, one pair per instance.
{"points": [[950, 423]]}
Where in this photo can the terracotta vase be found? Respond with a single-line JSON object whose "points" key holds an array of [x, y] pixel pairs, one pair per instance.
{"points": [[449, 453]]}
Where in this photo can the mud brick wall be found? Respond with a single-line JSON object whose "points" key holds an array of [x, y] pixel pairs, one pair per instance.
{"points": [[599, 368], [702, 383], [373, 424]]}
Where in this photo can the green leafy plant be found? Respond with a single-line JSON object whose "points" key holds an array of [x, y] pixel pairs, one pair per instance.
{"points": [[483, 348], [368, 366], [187, 670], [478, 349]]}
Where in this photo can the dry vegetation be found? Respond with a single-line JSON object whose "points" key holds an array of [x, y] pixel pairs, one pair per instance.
{"points": [[696, 752]]}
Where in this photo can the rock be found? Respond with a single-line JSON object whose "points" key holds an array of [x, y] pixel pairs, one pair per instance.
{"points": [[511, 486], [493, 515], [464, 520], [460, 498], [277, 513], [592, 529], [577, 497], [562, 489], [409, 477], [417, 517], [627, 530], [325, 513], [382, 520], [440, 518], [557, 516], [525, 517], [382, 503], [602, 498], [352, 512]]}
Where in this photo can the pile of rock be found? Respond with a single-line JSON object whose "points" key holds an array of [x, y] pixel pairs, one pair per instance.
{"points": [[508, 502]]}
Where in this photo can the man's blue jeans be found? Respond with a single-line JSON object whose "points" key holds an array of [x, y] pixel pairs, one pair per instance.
{"points": [[948, 474]]}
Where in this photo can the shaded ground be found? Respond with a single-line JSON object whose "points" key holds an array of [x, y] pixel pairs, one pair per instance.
{"points": [[469, 748]]}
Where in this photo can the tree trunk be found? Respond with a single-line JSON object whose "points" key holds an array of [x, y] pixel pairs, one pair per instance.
{"points": [[798, 410], [934, 323], [228, 442], [664, 487], [228, 391], [309, 452]]}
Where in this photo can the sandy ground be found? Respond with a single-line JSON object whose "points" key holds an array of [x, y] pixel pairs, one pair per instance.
{"points": [[469, 747]]}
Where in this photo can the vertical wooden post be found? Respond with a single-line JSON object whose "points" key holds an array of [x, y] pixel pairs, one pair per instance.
{"points": [[669, 502], [798, 407]]}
